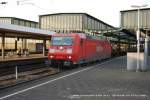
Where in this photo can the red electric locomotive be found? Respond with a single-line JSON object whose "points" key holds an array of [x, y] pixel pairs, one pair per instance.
{"points": [[77, 48]]}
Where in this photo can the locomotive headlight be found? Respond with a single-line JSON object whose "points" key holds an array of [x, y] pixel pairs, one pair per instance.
{"points": [[69, 51], [51, 56], [61, 47], [69, 57], [51, 50]]}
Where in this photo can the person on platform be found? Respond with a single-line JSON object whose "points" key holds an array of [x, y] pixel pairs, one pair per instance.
{"points": [[19, 52]]}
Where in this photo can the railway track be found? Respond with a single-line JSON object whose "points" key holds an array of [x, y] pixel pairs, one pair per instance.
{"points": [[24, 76], [31, 72], [10, 79], [11, 69]]}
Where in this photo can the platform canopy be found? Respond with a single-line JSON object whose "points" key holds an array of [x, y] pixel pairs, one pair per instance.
{"points": [[10, 30]]}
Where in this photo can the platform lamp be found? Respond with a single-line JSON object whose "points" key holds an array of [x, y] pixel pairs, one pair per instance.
{"points": [[138, 7]]}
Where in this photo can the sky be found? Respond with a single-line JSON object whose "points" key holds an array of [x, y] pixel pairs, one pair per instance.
{"points": [[105, 10]]}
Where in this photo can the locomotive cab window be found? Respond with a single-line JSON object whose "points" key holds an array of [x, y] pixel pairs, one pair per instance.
{"points": [[66, 41]]}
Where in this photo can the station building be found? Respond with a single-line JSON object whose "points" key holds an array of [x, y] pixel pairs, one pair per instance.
{"points": [[129, 20], [72, 22]]}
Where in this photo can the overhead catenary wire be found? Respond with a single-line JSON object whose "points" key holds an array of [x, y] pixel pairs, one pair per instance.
{"points": [[21, 1], [25, 2]]}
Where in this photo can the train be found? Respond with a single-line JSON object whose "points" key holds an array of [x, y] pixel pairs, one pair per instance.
{"points": [[77, 48]]}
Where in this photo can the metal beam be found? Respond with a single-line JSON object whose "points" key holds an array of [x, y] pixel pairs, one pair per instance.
{"points": [[3, 45], [146, 50], [22, 46], [44, 47]]}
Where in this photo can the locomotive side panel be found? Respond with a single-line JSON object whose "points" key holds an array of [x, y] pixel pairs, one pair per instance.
{"points": [[107, 49], [78, 51], [93, 50]]}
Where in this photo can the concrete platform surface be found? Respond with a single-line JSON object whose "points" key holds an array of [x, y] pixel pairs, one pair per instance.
{"points": [[107, 81]]}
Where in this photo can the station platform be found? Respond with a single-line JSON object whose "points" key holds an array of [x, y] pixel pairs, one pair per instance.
{"points": [[18, 58], [13, 61], [105, 81]]}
